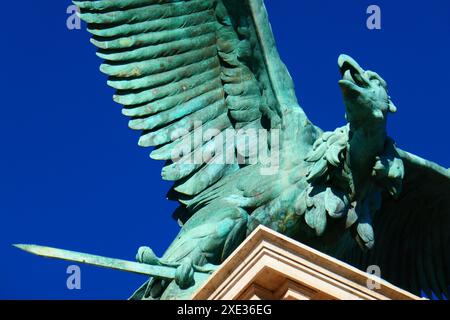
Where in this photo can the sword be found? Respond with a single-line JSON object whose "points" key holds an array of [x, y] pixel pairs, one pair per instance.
{"points": [[160, 272]]}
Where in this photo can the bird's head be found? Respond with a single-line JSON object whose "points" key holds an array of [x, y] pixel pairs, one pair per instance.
{"points": [[365, 93]]}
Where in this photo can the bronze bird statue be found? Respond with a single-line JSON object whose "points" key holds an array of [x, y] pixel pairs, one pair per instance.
{"points": [[203, 81]]}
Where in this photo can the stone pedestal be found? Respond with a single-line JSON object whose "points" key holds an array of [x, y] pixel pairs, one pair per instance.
{"points": [[270, 266]]}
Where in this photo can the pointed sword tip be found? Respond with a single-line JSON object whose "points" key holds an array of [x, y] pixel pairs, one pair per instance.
{"points": [[26, 247], [20, 246]]}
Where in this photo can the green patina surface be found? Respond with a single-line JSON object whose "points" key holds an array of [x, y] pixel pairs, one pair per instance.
{"points": [[350, 193]]}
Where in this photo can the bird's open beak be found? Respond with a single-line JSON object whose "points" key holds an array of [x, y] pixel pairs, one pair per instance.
{"points": [[353, 76]]}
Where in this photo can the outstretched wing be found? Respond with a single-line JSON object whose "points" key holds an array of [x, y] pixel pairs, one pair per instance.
{"points": [[186, 72], [413, 232]]}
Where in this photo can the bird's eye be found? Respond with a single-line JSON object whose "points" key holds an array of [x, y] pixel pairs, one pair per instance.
{"points": [[373, 77], [376, 79]]}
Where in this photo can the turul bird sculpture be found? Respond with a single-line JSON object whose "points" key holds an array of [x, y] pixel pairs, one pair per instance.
{"points": [[199, 78]]}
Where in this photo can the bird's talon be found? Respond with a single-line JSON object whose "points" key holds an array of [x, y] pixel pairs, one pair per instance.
{"points": [[184, 275], [147, 256], [207, 268]]}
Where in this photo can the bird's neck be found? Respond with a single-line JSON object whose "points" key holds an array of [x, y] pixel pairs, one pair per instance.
{"points": [[365, 143]]}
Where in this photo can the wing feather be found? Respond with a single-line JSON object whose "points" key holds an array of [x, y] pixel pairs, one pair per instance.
{"points": [[185, 67], [413, 231]]}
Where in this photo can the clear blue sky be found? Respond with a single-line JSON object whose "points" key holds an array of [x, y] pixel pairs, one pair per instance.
{"points": [[72, 175]]}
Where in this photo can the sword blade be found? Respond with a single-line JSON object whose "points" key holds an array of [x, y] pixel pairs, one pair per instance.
{"points": [[162, 272]]}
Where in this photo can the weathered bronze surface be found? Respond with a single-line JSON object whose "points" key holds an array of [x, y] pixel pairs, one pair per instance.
{"points": [[184, 68]]}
